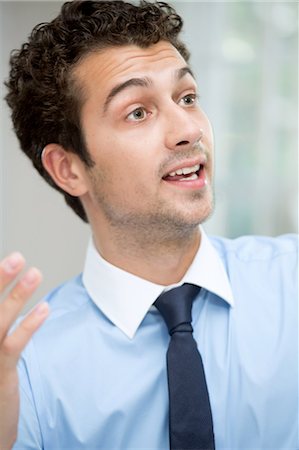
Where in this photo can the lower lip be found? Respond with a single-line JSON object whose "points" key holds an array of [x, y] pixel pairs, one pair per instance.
{"points": [[199, 183]]}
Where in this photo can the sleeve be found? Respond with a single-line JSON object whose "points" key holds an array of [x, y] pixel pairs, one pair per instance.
{"points": [[29, 432]]}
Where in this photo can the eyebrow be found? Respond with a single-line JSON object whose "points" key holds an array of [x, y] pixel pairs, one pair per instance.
{"points": [[142, 82]]}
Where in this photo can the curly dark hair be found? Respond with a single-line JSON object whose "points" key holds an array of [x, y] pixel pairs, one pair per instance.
{"points": [[43, 97]]}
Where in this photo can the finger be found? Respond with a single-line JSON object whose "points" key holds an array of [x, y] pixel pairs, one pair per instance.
{"points": [[19, 295], [15, 343], [10, 267]]}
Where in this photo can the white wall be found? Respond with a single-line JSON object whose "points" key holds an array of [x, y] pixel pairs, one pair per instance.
{"points": [[255, 146], [35, 218]]}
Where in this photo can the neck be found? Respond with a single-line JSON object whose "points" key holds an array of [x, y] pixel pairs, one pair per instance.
{"points": [[163, 260]]}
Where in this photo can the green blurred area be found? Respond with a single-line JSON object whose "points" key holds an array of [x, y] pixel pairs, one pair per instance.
{"points": [[246, 57]]}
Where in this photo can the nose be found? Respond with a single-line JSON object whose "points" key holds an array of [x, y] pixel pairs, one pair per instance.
{"points": [[184, 127]]}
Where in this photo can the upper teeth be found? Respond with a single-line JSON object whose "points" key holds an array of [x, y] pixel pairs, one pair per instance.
{"points": [[185, 170]]}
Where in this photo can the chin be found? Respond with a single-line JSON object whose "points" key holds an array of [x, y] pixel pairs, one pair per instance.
{"points": [[187, 221], [199, 209], [200, 217]]}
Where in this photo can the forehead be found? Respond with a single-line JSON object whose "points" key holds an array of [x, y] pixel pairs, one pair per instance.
{"points": [[104, 68]]}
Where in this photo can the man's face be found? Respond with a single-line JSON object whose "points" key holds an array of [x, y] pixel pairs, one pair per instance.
{"points": [[143, 127]]}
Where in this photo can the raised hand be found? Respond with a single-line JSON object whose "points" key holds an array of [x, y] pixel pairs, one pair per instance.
{"points": [[12, 344]]}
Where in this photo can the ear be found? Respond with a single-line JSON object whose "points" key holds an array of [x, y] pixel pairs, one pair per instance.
{"points": [[65, 168]]}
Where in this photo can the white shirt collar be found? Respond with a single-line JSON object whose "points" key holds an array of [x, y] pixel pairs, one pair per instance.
{"points": [[125, 298]]}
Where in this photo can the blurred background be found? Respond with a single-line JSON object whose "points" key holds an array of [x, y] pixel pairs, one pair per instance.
{"points": [[245, 56]]}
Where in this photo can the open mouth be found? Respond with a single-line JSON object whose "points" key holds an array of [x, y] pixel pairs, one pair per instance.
{"points": [[185, 173]]}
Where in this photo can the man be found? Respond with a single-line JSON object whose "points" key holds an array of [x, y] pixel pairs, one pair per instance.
{"points": [[115, 125]]}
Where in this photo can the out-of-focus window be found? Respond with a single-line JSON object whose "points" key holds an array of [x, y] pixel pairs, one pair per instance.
{"points": [[245, 55]]}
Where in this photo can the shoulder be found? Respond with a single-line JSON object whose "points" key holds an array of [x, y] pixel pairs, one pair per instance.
{"points": [[256, 248], [69, 304], [68, 296], [72, 316], [263, 264]]}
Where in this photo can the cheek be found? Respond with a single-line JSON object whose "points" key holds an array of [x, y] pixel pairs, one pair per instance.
{"points": [[124, 174], [138, 183], [208, 131], [125, 159], [210, 136]]}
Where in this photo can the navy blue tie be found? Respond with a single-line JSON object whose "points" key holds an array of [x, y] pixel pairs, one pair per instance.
{"points": [[190, 416]]}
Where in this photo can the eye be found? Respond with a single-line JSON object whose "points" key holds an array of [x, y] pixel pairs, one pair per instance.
{"points": [[137, 115], [189, 99]]}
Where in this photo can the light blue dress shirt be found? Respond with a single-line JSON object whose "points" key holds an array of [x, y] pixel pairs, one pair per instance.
{"points": [[94, 376]]}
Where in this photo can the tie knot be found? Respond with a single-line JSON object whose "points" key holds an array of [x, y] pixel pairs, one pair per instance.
{"points": [[175, 306]]}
